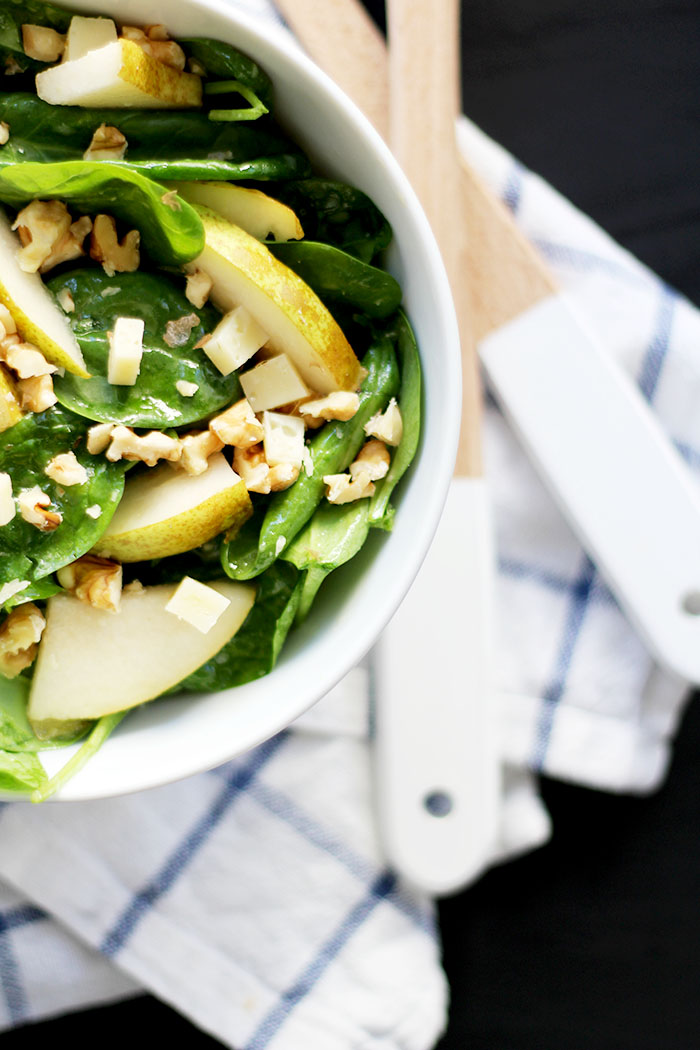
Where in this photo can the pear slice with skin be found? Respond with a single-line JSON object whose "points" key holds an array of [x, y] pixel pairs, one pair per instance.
{"points": [[92, 662], [245, 273], [119, 75], [38, 318], [10, 411], [256, 213], [165, 511]]}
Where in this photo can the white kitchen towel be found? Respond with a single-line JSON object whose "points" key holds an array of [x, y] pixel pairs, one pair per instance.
{"points": [[254, 898]]}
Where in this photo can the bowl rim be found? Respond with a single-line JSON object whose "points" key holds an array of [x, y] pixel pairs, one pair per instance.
{"points": [[108, 774]]}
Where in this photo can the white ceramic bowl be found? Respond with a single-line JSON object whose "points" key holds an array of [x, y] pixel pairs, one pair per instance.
{"points": [[170, 739]]}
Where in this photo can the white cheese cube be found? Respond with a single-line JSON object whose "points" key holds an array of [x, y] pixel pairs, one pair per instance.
{"points": [[234, 340], [186, 389], [273, 383], [7, 503], [87, 34], [283, 439], [125, 351], [197, 604]]}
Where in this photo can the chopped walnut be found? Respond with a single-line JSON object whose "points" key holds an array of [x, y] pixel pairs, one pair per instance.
{"points": [[36, 394], [40, 226], [12, 66], [23, 358], [186, 389], [149, 448], [116, 256], [32, 505], [196, 450], [238, 425], [156, 43], [69, 246], [42, 43], [98, 437], [19, 637], [171, 200], [373, 459], [344, 489], [66, 301], [7, 322], [387, 425], [107, 143], [341, 404], [177, 332], [65, 470], [4, 132], [97, 581], [198, 286], [258, 475]]}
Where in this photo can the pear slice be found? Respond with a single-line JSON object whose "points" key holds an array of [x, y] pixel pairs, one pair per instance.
{"points": [[256, 213], [245, 273], [92, 662], [88, 34], [121, 75], [164, 511], [10, 411], [39, 320]]}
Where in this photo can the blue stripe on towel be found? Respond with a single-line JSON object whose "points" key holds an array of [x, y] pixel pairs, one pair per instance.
{"points": [[552, 581], [513, 190], [658, 347], [10, 978], [580, 596], [143, 901], [270, 1025]]}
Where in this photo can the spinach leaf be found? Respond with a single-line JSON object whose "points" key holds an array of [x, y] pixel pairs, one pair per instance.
{"points": [[26, 553], [171, 234], [153, 400], [332, 450], [253, 650], [35, 592], [20, 773], [337, 214], [16, 13], [222, 60], [335, 534], [336, 276], [16, 734], [163, 144]]}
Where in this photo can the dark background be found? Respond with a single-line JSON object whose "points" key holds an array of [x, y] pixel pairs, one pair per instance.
{"points": [[591, 943]]}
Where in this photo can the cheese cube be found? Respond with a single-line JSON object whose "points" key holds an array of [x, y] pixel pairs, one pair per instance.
{"points": [[7, 503], [125, 351], [283, 439], [197, 604], [273, 383], [234, 340], [87, 34]]}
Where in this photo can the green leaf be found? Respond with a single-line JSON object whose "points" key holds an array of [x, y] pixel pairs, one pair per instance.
{"points": [[332, 450], [20, 773], [27, 553], [172, 235], [16, 734], [222, 60], [253, 650], [153, 400], [35, 592], [337, 214], [253, 111], [162, 144], [338, 277]]}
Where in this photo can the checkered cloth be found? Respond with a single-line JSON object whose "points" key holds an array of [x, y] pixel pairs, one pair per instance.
{"points": [[254, 899]]}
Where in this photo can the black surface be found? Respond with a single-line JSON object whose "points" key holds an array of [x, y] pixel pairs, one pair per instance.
{"points": [[591, 943]]}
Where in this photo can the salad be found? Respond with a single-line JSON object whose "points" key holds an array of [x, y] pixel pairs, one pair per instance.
{"points": [[208, 387]]}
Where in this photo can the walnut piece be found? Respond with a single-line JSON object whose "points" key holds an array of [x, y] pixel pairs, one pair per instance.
{"points": [[36, 394], [196, 450], [97, 581], [32, 505], [341, 404], [149, 448], [116, 256], [178, 332], [23, 358], [198, 286], [374, 459], [344, 489], [65, 470], [98, 437], [42, 43], [238, 425], [387, 426], [19, 637], [40, 225], [107, 143], [69, 246], [4, 132], [258, 475]]}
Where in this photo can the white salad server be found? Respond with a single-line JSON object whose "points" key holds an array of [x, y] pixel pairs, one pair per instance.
{"points": [[438, 774]]}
